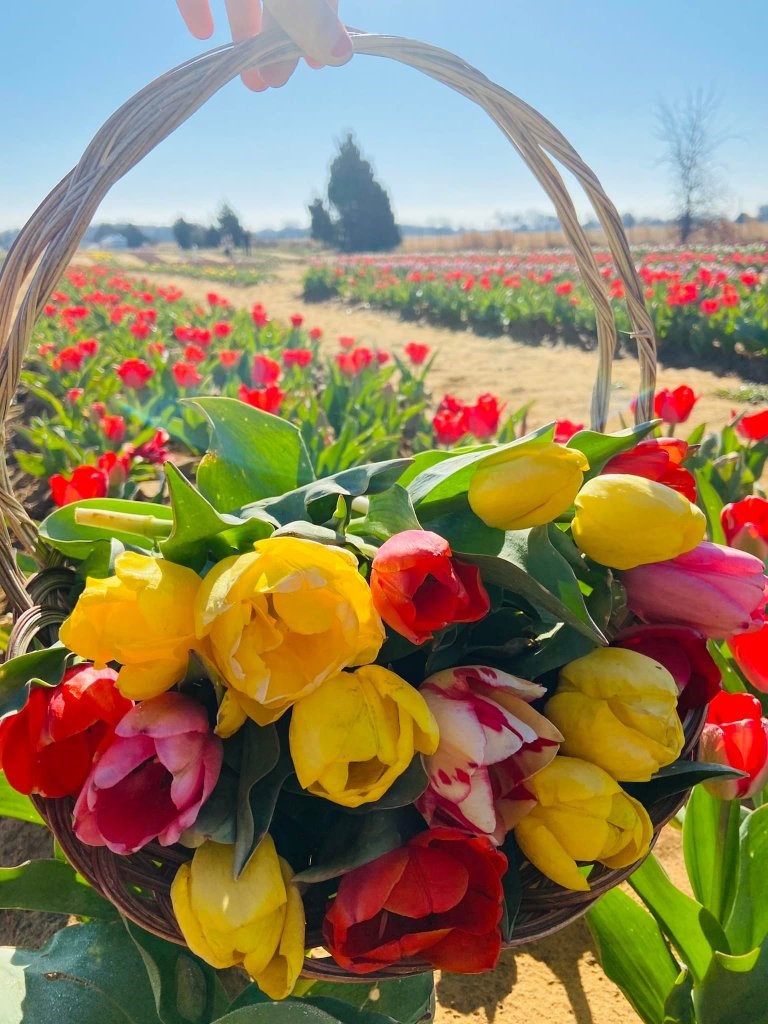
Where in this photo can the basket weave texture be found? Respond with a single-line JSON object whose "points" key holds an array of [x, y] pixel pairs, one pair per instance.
{"points": [[139, 885]]}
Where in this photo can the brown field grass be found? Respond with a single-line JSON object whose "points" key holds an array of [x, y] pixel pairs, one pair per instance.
{"points": [[719, 233]]}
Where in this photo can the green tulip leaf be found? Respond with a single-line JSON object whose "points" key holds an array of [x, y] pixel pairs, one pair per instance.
{"points": [[51, 886], [689, 926], [406, 1000], [388, 513], [747, 924], [354, 840], [633, 953], [17, 805], [217, 819], [47, 666], [186, 990], [512, 886], [264, 767], [252, 455], [195, 522], [298, 1012], [88, 974], [77, 541], [678, 1008], [678, 777], [734, 989], [316, 501], [711, 850], [711, 504], [346, 1013], [599, 448]]}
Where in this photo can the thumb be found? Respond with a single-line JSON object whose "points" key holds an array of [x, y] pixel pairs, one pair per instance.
{"points": [[314, 26]]}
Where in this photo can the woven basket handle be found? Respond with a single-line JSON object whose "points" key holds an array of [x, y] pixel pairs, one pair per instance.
{"points": [[56, 229]]}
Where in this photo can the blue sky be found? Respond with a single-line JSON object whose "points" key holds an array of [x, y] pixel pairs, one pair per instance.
{"points": [[596, 68]]}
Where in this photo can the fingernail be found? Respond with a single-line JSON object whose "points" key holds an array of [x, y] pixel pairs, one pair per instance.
{"points": [[343, 49]]}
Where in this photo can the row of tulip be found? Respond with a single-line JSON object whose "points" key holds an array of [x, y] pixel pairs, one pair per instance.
{"points": [[115, 358], [708, 310]]}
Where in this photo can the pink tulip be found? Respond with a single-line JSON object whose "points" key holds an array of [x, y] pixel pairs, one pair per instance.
{"points": [[152, 780], [717, 590], [491, 740]]}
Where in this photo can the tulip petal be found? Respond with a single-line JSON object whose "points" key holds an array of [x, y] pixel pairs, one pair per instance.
{"points": [[432, 883], [466, 952], [543, 850]]}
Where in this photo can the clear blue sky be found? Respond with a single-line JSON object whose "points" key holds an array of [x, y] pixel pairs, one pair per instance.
{"points": [[596, 68]]}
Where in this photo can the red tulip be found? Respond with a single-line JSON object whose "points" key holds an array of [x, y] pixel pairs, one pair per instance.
{"points": [[49, 745], [135, 373], [565, 429], [297, 320], [438, 898], [659, 459], [418, 587], [417, 353], [117, 467], [450, 421], [382, 357], [754, 427], [259, 315], [297, 357], [265, 371], [228, 357], [709, 306], [482, 418], [75, 394], [194, 354], [354, 361], [736, 734], [140, 330], [745, 524], [347, 342], [315, 334], [683, 653], [89, 347], [675, 406], [154, 450], [267, 399], [186, 375], [750, 651], [85, 482], [222, 330], [70, 359], [152, 779], [113, 427]]}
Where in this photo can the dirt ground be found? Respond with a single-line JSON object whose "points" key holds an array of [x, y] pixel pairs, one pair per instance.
{"points": [[557, 980]]}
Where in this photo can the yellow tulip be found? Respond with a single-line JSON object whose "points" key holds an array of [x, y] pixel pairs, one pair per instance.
{"points": [[526, 486], [357, 732], [281, 620], [623, 521], [142, 617], [580, 814], [618, 709], [256, 921]]}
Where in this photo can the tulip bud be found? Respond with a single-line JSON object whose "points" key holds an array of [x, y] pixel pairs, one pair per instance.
{"points": [[526, 486], [358, 732], [581, 814], [418, 587], [618, 709], [717, 590], [745, 524], [491, 740], [255, 921], [623, 521], [736, 734]]}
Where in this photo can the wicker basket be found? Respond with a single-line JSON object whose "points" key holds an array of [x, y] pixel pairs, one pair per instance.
{"points": [[139, 885]]}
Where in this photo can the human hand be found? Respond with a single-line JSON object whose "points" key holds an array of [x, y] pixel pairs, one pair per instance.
{"points": [[312, 24]]}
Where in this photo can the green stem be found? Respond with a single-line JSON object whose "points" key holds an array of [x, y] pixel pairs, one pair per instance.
{"points": [[721, 899], [123, 522]]}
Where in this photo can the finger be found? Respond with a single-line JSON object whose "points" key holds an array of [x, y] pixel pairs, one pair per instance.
{"points": [[316, 64], [277, 73], [315, 27], [197, 15], [244, 23]]}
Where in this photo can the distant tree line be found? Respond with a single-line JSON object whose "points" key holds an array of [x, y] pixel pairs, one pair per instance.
{"points": [[227, 231]]}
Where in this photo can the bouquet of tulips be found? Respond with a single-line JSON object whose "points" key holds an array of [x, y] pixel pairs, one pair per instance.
{"points": [[362, 709]]}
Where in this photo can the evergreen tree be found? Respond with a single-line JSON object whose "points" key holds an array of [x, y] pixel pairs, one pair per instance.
{"points": [[364, 221], [230, 226], [182, 232], [322, 228]]}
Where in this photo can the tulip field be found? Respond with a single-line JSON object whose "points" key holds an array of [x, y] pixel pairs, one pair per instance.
{"points": [[710, 308]]}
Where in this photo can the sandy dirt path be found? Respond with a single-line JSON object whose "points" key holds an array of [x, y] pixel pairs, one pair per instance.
{"points": [[556, 379]]}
